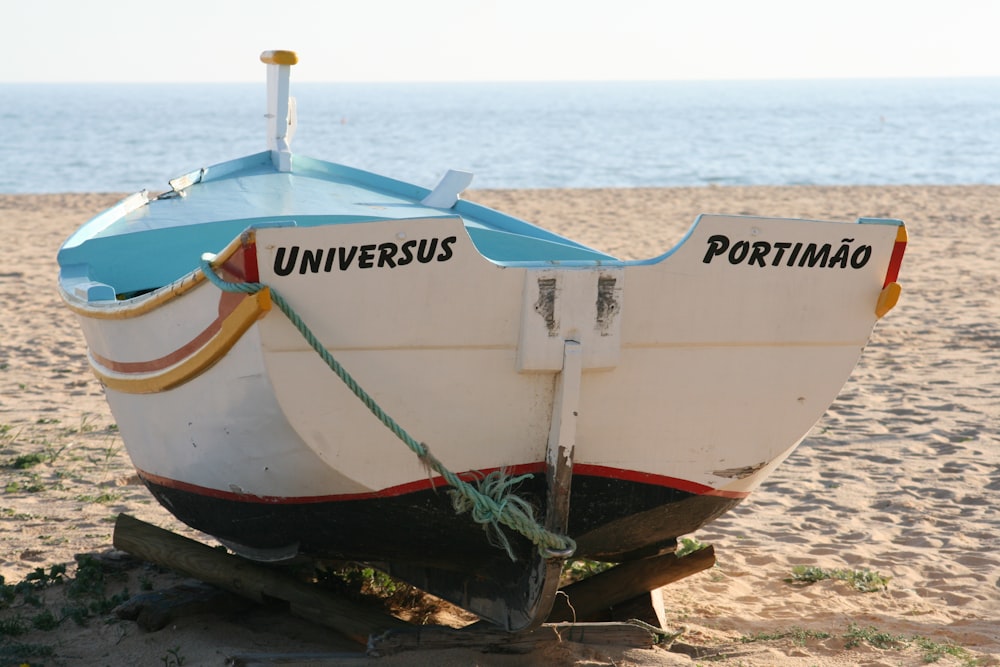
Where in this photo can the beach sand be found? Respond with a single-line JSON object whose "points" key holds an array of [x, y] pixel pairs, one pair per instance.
{"points": [[900, 477]]}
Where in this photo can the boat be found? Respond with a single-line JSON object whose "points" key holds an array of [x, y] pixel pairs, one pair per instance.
{"points": [[309, 360]]}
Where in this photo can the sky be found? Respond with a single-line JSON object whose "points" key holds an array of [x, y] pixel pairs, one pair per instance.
{"points": [[497, 40]]}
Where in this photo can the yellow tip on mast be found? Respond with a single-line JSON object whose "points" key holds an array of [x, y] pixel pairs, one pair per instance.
{"points": [[279, 57]]}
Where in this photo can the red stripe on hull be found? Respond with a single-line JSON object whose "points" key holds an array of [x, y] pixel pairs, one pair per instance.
{"points": [[228, 301], [655, 480], [439, 482]]}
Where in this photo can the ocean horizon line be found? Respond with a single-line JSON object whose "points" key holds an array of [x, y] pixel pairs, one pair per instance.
{"points": [[125, 137], [472, 190], [819, 79]]}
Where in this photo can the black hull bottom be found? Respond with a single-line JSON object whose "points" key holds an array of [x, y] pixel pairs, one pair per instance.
{"points": [[611, 519]]}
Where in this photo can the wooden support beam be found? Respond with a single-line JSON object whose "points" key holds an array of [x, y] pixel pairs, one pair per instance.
{"points": [[154, 610], [481, 637], [486, 638], [647, 607], [298, 660], [582, 600], [384, 634], [249, 580]]}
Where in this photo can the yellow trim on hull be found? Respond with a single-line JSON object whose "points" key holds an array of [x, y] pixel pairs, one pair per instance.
{"points": [[887, 299], [252, 308], [122, 310]]}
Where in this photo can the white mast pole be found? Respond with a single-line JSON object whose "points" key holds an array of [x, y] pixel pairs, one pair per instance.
{"points": [[279, 120]]}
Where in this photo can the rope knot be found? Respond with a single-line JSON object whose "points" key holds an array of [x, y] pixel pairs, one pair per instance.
{"points": [[491, 501]]}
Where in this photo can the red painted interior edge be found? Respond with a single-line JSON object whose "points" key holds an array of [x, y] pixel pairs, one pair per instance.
{"points": [[438, 482], [895, 262], [252, 273]]}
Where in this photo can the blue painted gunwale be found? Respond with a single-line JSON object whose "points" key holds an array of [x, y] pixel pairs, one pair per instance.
{"points": [[136, 245]]}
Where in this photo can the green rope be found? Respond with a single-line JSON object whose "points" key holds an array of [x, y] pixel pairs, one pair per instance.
{"points": [[490, 501]]}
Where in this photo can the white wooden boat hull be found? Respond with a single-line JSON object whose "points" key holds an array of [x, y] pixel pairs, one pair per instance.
{"points": [[701, 372]]}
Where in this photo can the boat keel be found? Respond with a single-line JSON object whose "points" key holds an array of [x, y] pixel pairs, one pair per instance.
{"points": [[524, 602]]}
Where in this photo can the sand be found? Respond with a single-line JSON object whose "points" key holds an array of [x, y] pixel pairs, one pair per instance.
{"points": [[901, 477]]}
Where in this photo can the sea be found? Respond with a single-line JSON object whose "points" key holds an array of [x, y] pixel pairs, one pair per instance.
{"points": [[129, 137]]}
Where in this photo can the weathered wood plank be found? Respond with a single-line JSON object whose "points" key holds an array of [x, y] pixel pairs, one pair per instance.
{"points": [[249, 580], [298, 659], [489, 639], [646, 607], [154, 610], [586, 598]]}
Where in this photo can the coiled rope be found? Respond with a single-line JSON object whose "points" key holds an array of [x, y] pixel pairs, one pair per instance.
{"points": [[491, 501]]}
